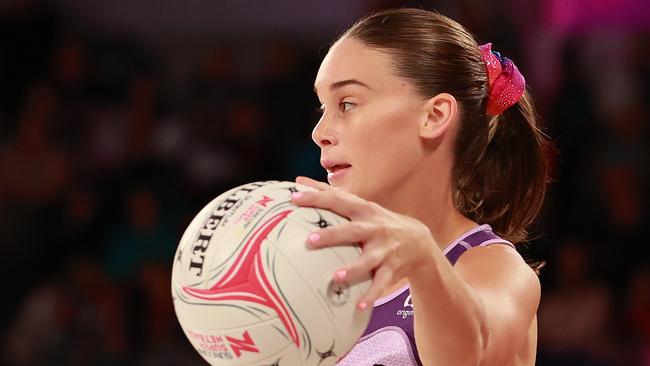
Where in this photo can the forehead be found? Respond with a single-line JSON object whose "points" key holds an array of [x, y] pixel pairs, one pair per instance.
{"points": [[351, 59]]}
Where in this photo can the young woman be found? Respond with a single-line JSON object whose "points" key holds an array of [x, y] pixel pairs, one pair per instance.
{"points": [[433, 152]]}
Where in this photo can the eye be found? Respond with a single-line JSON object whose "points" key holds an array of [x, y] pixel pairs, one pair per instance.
{"points": [[345, 106]]}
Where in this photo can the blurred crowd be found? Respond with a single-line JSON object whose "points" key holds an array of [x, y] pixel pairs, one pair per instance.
{"points": [[109, 146]]}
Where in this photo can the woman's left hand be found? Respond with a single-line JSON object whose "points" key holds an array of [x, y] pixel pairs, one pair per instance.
{"points": [[393, 246]]}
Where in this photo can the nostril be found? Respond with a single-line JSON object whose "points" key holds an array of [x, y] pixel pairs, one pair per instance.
{"points": [[322, 137]]}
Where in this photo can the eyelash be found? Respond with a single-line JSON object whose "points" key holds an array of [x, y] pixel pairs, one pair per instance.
{"points": [[342, 104], [321, 109]]}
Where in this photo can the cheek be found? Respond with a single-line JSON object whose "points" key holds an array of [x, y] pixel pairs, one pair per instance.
{"points": [[389, 146], [394, 134]]}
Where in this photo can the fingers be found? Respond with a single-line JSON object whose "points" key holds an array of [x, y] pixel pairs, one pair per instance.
{"points": [[380, 281], [313, 183], [365, 264], [369, 260], [372, 257], [342, 203], [343, 234], [352, 207]]}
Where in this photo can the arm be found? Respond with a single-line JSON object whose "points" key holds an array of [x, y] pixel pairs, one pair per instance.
{"points": [[476, 313]]}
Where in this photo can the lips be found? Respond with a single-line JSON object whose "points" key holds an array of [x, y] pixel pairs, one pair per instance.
{"points": [[332, 166], [336, 168]]}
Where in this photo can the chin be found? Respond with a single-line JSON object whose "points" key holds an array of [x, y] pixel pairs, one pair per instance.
{"points": [[362, 192], [347, 187], [357, 187]]}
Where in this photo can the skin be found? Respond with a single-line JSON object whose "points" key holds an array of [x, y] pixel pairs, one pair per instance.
{"points": [[397, 193]]}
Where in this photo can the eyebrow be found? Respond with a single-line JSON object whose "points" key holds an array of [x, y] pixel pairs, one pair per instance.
{"points": [[342, 83]]}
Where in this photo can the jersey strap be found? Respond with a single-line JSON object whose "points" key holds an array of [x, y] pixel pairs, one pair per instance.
{"points": [[477, 237]]}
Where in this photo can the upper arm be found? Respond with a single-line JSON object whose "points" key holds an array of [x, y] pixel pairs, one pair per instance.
{"points": [[509, 291]]}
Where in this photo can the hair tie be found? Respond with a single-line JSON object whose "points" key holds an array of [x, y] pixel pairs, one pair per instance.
{"points": [[505, 83]]}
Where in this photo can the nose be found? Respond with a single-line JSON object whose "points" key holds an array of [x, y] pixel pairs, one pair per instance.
{"points": [[323, 135]]}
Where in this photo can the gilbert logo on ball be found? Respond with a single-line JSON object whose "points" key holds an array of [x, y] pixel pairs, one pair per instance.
{"points": [[248, 291]]}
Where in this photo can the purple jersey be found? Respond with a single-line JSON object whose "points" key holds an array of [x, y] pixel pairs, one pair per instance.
{"points": [[389, 339]]}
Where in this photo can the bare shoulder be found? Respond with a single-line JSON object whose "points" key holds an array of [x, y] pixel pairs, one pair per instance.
{"points": [[510, 291], [497, 264]]}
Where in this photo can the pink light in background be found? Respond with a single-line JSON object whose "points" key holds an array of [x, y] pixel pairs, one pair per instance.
{"points": [[591, 15]]}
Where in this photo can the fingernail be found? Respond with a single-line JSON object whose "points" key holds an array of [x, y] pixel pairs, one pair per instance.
{"points": [[296, 195], [340, 275], [313, 238], [362, 305]]}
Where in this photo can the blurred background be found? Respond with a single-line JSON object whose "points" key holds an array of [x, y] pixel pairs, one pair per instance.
{"points": [[120, 119]]}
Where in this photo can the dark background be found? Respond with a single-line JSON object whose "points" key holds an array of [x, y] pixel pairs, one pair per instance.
{"points": [[120, 119]]}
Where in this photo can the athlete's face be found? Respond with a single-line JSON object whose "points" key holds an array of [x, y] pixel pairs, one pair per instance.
{"points": [[368, 133]]}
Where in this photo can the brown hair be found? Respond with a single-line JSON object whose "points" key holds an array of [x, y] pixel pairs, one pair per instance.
{"points": [[501, 167]]}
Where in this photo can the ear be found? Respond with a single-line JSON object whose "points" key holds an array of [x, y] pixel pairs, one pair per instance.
{"points": [[441, 111]]}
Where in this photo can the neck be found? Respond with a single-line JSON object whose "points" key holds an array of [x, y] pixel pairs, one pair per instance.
{"points": [[430, 201]]}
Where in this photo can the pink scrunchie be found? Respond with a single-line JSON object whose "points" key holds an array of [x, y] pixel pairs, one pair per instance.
{"points": [[505, 83]]}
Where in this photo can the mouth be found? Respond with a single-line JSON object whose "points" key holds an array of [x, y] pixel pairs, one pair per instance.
{"points": [[336, 171], [335, 168]]}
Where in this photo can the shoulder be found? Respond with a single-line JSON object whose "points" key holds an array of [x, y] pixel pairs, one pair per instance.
{"points": [[508, 291], [501, 269]]}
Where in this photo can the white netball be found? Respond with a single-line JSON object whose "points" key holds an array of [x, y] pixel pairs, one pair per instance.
{"points": [[248, 291]]}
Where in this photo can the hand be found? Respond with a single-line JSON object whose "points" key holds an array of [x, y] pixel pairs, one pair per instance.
{"points": [[393, 246]]}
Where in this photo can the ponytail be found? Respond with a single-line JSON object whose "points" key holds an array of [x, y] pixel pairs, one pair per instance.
{"points": [[505, 185]]}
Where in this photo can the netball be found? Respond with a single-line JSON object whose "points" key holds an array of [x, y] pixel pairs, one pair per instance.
{"points": [[248, 291]]}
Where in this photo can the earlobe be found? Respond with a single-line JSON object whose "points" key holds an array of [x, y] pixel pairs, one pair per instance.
{"points": [[441, 110]]}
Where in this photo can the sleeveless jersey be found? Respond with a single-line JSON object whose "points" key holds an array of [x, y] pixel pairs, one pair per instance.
{"points": [[389, 339]]}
